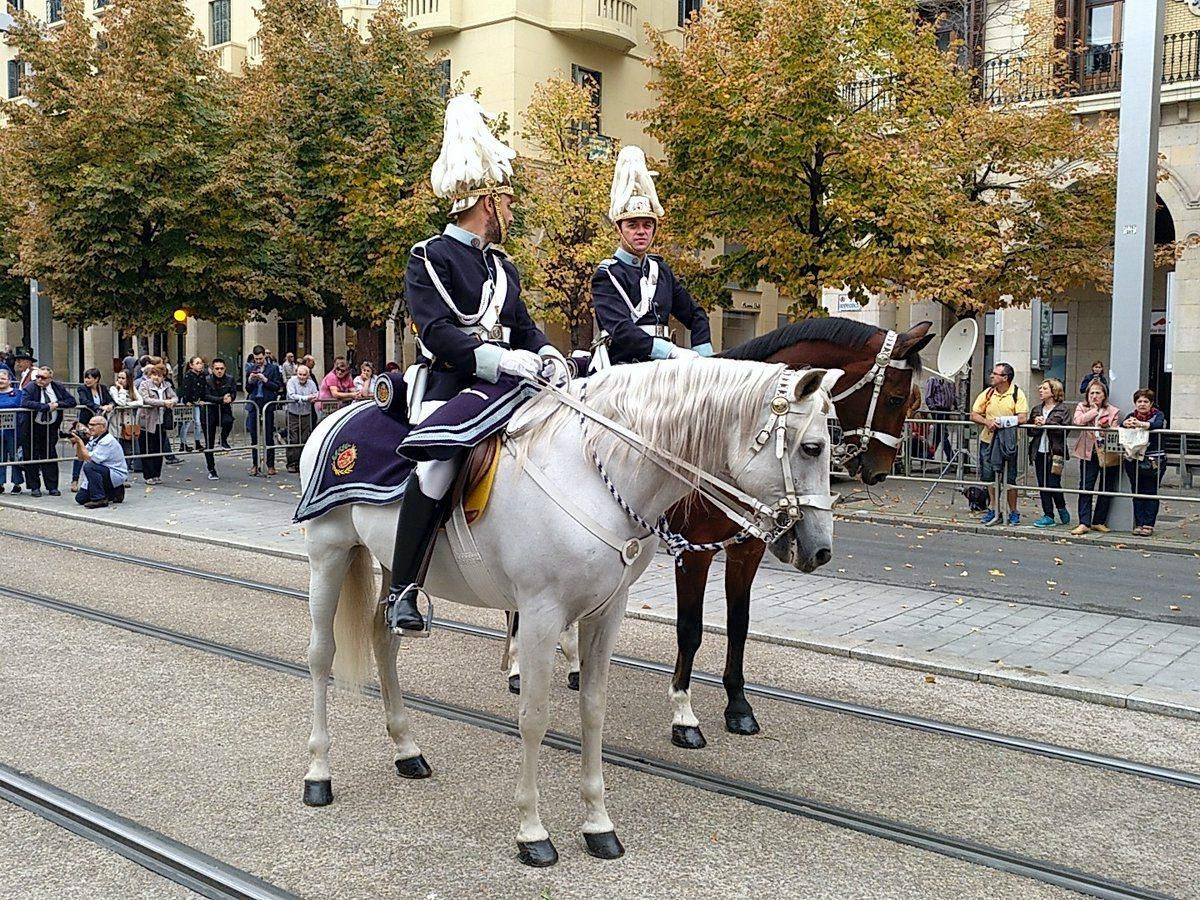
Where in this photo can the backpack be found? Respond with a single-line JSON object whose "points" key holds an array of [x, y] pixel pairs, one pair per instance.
{"points": [[940, 394]]}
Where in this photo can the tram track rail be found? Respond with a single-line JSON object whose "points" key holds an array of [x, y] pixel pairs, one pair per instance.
{"points": [[963, 849], [177, 862], [1014, 743]]}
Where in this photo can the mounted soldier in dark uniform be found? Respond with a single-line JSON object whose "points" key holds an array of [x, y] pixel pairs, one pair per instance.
{"points": [[634, 292], [479, 342]]}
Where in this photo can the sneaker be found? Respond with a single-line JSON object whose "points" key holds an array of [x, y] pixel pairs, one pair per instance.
{"points": [[1045, 522], [225, 445], [989, 518], [1103, 529], [36, 492], [213, 476], [153, 481], [1080, 529], [173, 460], [1064, 516], [1014, 518], [54, 492]]}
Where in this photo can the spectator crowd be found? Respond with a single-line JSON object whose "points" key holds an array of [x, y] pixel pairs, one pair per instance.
{"points": [[135, 425]]}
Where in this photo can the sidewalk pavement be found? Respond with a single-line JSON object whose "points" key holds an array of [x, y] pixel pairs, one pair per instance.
{"points": [[1115, 660]]}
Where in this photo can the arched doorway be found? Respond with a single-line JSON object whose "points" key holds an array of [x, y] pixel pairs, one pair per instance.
{"points": [[1159, 378]]}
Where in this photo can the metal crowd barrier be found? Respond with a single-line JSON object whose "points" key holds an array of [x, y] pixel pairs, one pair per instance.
{"points": [[936, 450]]}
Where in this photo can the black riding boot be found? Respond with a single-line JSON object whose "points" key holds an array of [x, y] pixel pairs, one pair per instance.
{"points": [[420, 518]]}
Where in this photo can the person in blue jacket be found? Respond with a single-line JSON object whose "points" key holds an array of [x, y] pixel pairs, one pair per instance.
{"points": [[634, 292], [10, 403]]}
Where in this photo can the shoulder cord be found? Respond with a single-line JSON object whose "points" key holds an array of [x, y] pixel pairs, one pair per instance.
{"points": [[497, 282], [647, 301]]}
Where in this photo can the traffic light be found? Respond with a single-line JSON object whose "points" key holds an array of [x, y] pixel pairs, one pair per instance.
{"points": [[180, 316]]}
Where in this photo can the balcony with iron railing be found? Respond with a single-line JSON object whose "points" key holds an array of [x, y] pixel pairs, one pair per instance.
{"points": [[1089, 72], [612, 23], [434, 16]]}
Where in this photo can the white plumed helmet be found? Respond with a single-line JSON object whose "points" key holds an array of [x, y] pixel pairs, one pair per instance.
{"points": [[473, 162], [633, 195]]}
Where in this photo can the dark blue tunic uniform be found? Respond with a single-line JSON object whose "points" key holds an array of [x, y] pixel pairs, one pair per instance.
{"points": [[468, 273], [628, 342]]}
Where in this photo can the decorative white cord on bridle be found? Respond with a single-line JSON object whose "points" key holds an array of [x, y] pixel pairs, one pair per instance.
{"points": [[877, 374], [783, 515]]}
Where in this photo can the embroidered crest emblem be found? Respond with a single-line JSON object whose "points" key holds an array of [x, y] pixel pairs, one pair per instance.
{"points": [[344, 459], [383, 392]]}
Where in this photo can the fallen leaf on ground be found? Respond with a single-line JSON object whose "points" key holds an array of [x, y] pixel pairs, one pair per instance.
{"points": [[1052, 583], [929, 679], [996, 572], [908, 565], [646, 606], [1174, 608], [963, 573], [958, 600], [1059, 562], [887, 568]]}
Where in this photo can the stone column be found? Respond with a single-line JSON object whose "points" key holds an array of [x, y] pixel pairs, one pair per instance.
{"points": [[264, 333], [99, 348], [1013, 326], [1185, 379]]}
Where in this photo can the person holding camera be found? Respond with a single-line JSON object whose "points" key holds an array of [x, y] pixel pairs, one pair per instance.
{"points": [[103, 468]]}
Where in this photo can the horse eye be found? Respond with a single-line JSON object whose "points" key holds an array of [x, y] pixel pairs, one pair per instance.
{"points": [[812, 448], [895, 402]]}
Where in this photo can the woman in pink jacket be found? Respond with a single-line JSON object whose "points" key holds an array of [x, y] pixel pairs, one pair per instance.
{"points": [[1095, 411]]}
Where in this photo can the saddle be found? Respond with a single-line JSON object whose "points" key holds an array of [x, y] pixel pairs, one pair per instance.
{"points": [[473, 488]]}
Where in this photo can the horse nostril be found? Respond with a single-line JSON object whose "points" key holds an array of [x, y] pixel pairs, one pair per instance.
{"points": [[824, 555]]}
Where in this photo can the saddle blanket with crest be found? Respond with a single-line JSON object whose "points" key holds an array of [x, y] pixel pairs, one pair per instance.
{"points": [[369, 454]]}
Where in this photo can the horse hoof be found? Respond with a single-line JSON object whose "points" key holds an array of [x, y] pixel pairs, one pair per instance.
{"points": [[688, 737], [741, 723], [514, 684], [604, 845], [317, 793], [573, 680], [538, 854], [413, 767]]}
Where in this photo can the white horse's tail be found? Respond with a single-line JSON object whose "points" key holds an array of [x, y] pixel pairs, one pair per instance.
{"points": [[354, 621]]}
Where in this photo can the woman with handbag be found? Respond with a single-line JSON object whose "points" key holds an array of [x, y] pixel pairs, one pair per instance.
{"points": [[1143, 473], [158, 398], [126, 400], [1047, 450], [1099, 469]]}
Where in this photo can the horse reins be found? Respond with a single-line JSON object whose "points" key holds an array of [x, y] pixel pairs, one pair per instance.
{"points": [[769, 522], [877, 374]]}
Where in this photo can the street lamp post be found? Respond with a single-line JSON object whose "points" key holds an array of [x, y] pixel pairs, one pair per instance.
{"points": [[1133, 243], [180, 316]]}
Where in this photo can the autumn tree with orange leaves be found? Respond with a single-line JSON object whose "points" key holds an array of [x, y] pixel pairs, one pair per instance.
{"points": [[832, 143]]}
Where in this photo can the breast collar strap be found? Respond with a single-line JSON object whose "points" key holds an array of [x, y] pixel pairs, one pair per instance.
{"points": [[875, 376]]}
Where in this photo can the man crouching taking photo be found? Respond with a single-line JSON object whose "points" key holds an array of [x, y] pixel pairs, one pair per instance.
{"points": [[102, 480]]}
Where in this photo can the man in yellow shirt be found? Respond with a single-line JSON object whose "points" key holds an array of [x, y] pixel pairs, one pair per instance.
{"points": [[998, 411]]}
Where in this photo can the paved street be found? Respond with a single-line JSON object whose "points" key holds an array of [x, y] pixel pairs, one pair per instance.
{"points": [[1106, 630]]}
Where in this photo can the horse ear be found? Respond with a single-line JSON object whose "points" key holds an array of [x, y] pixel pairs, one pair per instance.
{"points": [[808, 382], [830, 379], [913, 340]]}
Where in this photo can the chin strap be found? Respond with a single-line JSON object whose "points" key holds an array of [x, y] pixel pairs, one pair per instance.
{"points": [[876, 375]]}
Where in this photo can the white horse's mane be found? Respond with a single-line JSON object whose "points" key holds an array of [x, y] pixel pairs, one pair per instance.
{"points": [[669, 404]]}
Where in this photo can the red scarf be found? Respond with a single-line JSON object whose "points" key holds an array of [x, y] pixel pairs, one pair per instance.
{"points": [[1145, 417]]}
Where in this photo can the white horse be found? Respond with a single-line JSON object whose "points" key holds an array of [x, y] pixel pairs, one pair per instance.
{"points": [[710, 413]]}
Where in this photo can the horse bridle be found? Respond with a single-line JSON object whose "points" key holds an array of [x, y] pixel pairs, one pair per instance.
{"points": [[877, 374]]}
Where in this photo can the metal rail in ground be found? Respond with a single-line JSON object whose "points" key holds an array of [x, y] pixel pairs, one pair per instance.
{"points": [[901, 720], [829, 814], [160, 854]]}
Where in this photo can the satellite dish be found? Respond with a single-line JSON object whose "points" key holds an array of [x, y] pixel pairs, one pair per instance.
{"points": [[958, 346]]}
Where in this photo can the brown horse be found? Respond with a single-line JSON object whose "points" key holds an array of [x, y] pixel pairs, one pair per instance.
{"points": [[872, 399]]}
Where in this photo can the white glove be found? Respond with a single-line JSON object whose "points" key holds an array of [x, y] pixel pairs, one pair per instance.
{"points": [[521, 363], [554, 365], [682, 353]]}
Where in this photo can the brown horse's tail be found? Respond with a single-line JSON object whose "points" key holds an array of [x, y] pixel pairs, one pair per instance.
{"points": [[354, 623]]}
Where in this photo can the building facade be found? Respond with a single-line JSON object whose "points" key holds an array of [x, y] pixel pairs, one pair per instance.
{"points": [[504, 48]]}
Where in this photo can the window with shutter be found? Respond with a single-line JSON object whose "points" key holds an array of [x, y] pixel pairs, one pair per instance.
{"points": [[219, 20]]}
